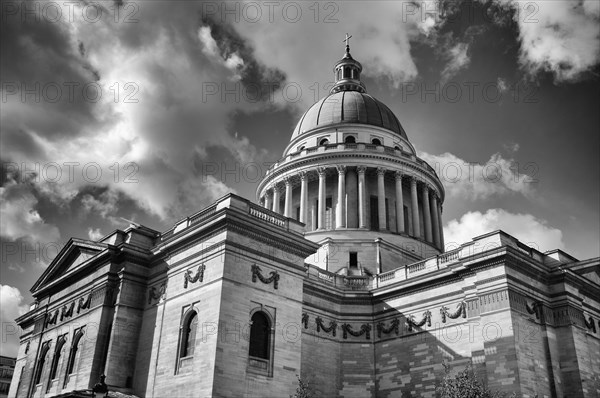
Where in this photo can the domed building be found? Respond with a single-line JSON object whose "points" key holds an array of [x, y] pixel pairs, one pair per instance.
{"points": [[352, 176], [338, 275]]}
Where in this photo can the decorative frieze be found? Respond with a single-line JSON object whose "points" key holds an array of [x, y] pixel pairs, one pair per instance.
{"points": [[257, 273], [305, 320], [365, 329], [155, 293], [84, 303], [67, 311], [320, 326], [189, 277], [51, 318], [590, 324], [394, 327], [461, 310], [410, 321]]}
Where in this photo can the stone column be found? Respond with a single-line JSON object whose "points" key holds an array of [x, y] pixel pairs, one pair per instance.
{"points": [[340, 219], [303, 196], [321, 210], [381, 198], [414, 207], [275, 198], [439, 211], [268, 200], [287, 211], [399, 203], [351, 199], [427, 214], [436, 221], [362, 197]]}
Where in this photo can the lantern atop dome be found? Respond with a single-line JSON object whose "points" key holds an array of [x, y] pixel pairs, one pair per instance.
{"points": [[347, 72]]}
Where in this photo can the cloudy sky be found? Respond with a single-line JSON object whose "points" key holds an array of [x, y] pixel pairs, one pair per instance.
{"points": [[149, 111]]}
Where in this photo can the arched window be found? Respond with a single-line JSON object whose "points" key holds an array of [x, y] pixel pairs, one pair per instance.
{"points": [[350, 139], [324, 141], [188, 335], [260, 336], [376, 141], [41, 362], [73, 353], [397, 148], [56, 360]]}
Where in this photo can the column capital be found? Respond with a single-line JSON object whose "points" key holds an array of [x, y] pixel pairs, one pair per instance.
{"points": [[303, 175], [361, 169], [268, 194], [277, 188], [287, 180], [321, 170], [341, 169], [398, 175], [413, 180], [381, 171]]}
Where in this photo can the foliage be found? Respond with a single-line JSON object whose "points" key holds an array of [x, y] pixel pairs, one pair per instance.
{"points": [[303, 390], [465, 385]]}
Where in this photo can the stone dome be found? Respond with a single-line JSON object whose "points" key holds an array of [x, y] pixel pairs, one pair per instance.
{"points": [[348, 107]]}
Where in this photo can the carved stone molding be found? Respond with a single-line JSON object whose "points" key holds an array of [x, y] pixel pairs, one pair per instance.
{"points": [[305, 320], [188, 277], [365, 329], [155, 293], [320, 326], [394, 327], [533, 308], [52, 318], [67, 311], [410, 321], [273, 276], [461, 310], [84, 303], [590, 324]]}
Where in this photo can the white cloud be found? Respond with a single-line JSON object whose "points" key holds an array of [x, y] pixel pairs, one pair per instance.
{"points": [[458, 60], [527, 228], [559, 36], [498, 176], [20, 219], [95, 234], [12, 307]]}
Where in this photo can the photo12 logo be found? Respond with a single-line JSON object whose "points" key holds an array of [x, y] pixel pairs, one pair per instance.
{"points": [[270, 11], [53, 172], [70, 11]]}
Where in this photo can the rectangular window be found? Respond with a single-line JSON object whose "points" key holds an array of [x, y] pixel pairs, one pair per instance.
{"points": [[353, 259], [298, 213]]}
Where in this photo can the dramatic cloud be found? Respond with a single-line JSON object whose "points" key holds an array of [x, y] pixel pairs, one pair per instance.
{"points": [[95, 234], [475, 181], [525, 227], [20, 219], [559, 36], [12, 307]]}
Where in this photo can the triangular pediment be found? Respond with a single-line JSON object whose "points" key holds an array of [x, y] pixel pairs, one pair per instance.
{"points": [[72, 257]]}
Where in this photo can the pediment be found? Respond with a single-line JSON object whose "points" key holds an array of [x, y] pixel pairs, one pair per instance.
{"points": [[72, 257]]}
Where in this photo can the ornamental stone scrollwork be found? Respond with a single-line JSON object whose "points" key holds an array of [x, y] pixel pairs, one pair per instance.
{"points": [[590, 324], [257, 273], [84, 303], [320, 326], [155, 293], [410, 321], [461, 310], [51, 319], [394, 327], [305, 320], [365, 329], [67, 311], [189, 277], [533, 308]]}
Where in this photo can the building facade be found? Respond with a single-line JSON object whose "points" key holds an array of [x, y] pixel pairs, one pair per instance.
{"points": [[7, 368], [337, 274]]}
